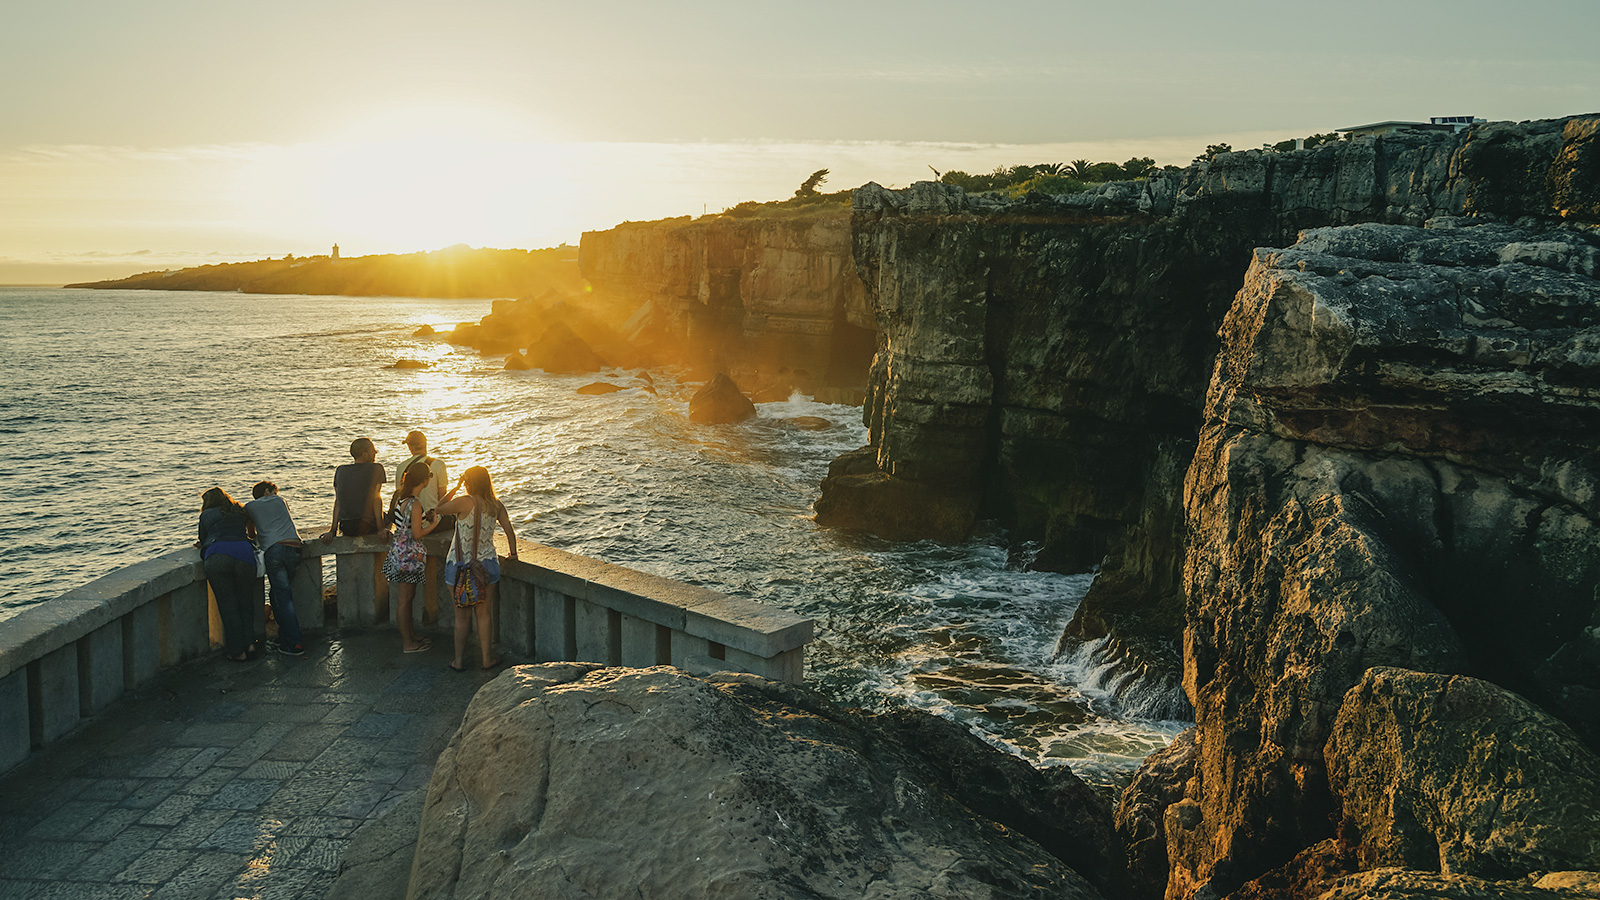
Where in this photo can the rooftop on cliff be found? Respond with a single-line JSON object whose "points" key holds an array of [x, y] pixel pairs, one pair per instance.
{"points": [[454, 272]]}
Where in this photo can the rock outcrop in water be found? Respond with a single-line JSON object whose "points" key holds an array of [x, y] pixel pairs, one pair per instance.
{"points": [[774, 302], [569, 780], [720, 401]]}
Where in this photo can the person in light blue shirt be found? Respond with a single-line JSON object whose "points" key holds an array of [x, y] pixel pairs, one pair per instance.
{"points": [[274, 531]]}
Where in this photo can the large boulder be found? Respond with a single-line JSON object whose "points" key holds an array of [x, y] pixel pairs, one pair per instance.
{"points": [[1157, 784], [560, 350], [720, 402], [1405, 884], [572, 780], [856, 495], [1459, 776]]}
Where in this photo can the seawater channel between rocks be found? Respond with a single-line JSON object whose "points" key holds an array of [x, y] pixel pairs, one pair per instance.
{"points": [[126, 409]]}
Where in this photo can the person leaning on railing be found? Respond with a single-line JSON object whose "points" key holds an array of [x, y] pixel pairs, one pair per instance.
{"points": [[230, 564], [273, 526], [471, 560]]}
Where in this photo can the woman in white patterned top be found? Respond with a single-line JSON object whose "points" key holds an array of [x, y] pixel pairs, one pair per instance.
{"points": [[472, 558]]}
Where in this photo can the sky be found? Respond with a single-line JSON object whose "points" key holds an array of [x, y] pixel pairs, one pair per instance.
{"points": [[166, 133]]}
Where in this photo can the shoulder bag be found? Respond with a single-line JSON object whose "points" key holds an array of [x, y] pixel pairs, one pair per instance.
{"points": [[472, 579]]}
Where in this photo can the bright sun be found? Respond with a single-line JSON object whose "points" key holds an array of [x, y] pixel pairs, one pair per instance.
{"points": [[425, 175]]}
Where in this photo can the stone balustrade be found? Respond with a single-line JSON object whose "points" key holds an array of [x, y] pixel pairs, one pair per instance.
{"points": [[63, 661]]}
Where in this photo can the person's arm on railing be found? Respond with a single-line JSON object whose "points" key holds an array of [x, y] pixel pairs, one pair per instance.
{"points": [[334, 528], [376, 504], [504, 518]]}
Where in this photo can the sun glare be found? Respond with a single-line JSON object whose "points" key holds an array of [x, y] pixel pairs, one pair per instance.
{"points": [[422, 176]]}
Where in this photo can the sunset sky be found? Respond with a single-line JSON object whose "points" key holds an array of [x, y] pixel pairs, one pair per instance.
{"points": [[138, 136]]}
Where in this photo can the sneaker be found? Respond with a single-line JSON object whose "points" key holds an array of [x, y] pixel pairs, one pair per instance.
{"points": [[292, 649]]}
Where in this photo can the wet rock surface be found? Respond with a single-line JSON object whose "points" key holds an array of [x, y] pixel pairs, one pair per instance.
{"points": [[1402, 884], [568, 780], [719, 402]]}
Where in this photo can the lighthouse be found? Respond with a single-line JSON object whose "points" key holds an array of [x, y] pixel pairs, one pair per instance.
{"points": [[335, 252]]}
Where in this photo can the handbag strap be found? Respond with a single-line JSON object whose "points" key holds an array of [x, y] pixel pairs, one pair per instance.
{"points": [[458, 543], [477, 526]]}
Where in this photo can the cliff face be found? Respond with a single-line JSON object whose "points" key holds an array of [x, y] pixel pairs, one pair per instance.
{"points": [[1397, 468], [1053, 353], [1387, 460], [770, 301]]}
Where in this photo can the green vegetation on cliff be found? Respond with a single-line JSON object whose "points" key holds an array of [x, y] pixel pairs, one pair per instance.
{"points": [[1050, 178], [453, 272]]}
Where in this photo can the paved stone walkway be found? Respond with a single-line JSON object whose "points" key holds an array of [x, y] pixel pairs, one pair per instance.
{"points": [[229, 780]]}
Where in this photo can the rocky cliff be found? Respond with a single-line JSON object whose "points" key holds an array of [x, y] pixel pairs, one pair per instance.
{"points": [[771, 301], [1379, 453], [1044, 362], [1397, 468]]}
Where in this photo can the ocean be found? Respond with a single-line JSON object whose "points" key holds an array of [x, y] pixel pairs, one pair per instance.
{"points": [[118, 408]]}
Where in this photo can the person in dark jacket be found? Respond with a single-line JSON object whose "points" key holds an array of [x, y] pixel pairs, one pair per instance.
{"points": [[230, 563]]}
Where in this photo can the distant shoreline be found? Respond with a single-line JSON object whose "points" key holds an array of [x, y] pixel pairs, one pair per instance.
{"points": [[453, 273]]}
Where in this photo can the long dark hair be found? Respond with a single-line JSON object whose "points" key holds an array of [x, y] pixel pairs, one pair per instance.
{"points": [[215, 497], [416, 475]]}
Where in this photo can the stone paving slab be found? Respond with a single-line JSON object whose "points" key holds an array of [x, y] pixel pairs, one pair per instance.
{"points": [[220, 780]]}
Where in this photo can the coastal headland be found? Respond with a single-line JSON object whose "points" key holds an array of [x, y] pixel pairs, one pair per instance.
{"points": [[452, 272], [1326, 421]]}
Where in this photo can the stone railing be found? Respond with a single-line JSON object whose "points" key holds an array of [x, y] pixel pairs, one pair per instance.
{"points": [[65, 660]]}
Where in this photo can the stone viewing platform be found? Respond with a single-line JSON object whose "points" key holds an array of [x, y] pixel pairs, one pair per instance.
{"points": [[223, 779], [144, 764]]}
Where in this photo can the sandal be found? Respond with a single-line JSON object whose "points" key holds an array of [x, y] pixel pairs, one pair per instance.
{"points": [[453, 667], [422, 644]]}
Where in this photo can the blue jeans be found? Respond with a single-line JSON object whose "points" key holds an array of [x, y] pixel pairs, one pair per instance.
{"points": [[282, 560], [491, 565], [233, 583]]}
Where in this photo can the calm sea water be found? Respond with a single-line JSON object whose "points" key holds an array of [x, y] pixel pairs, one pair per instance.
{"points": [[117, 408]]}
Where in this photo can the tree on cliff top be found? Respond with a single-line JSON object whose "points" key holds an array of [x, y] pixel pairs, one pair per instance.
{"points": [[808, 188]]}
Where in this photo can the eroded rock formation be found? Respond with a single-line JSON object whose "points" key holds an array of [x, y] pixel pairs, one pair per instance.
{"points": [[1045, 361], [569, 780], [772, 302], [1398, 468]]}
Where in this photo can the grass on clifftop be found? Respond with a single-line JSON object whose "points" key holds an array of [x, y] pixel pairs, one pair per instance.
{"points": [[798, 205]]}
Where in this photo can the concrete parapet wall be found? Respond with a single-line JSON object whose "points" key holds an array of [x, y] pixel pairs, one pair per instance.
{"points": [[555, 605], [63, 661]]}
